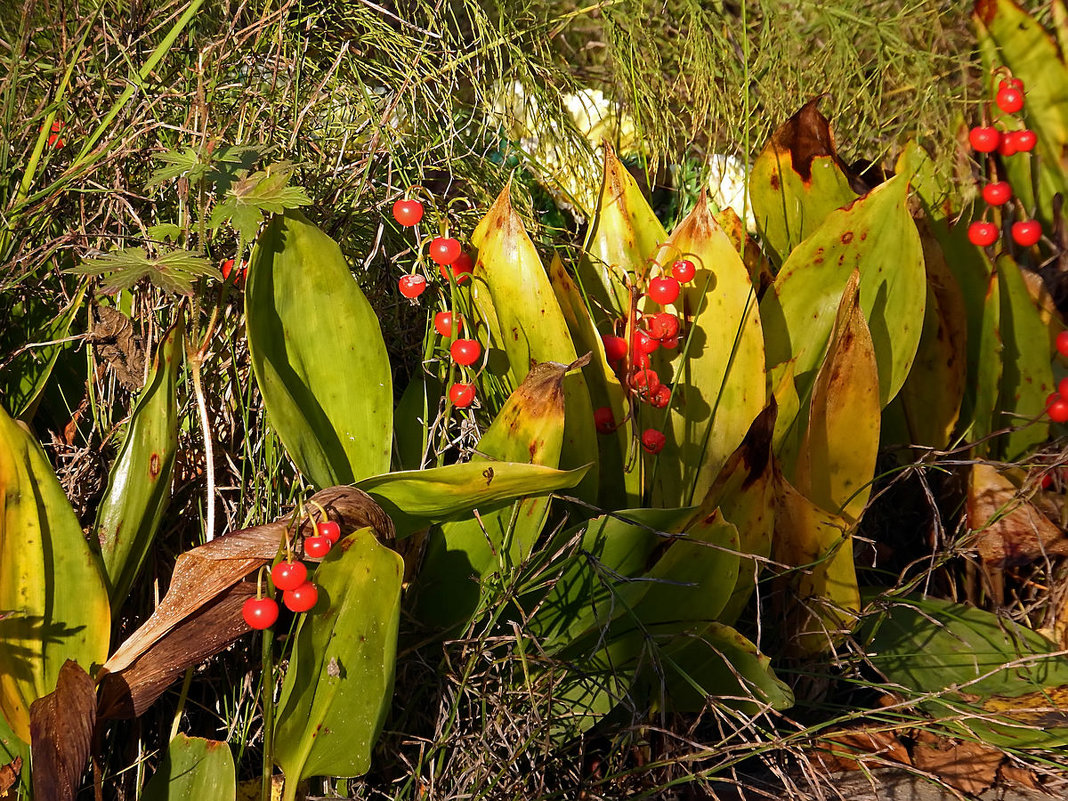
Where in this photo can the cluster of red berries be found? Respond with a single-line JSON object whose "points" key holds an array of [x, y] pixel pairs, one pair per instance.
{"points": [[454, 264], [987, 139], [227, 267], [632, 359], [291, 577], [54, 139], [1057, 402]]}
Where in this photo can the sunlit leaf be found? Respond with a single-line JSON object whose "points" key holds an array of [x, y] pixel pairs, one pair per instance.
{"points": [[194, 768], [171, 270]]}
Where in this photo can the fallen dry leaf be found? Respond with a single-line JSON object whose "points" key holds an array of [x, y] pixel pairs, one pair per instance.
{"points": [[848, 749], [1011, 530], [969, 767], [1017, 775], [9, 774], [61, 731]]}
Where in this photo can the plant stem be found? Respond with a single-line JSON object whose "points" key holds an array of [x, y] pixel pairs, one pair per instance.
{"points": [[195, 361], [267, 699]]}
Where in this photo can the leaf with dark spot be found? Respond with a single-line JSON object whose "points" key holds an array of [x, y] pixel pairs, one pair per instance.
{"points": [[61, 730]]}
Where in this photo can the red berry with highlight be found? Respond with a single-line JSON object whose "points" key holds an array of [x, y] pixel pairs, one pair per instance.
{"points": [[660, 397], [982, 233], [1024, 141], [462, 395], [408, 212], [645, 380], [302, 598], [1009, 99], [316, 547], [445, 250], [653, 441], [287, 575], [663, 325], [1058, 411], [461, 268], [328, 529], [644, 343], [669, 342], [604, 420], [615, 348], [1026, 233], [683, 271], [663, 290], [411, 286], [447, 324], [465, 351], [260, 613], [1062, 388], [985, 139], [997, 193]]}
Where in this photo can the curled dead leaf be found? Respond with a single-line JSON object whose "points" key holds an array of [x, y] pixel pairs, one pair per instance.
{"points": [[1010, 530], [970, 767], [61, 731]]}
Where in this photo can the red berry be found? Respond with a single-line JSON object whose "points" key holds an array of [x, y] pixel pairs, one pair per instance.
{"points": [[445, 250], [644, 343], [412, 286], [1024, 140], [644, 379], [1012, 83], [984, 139], [260, 613], [1007, 145], [669, 342], [461, 268], [683, 271], [604, 420], [462, 395], [982, 233], [1009, 99], [1062, 389], [653, 441], [302, 598], [316, 547], [1058, 411], [447, 324], [1062, 343], [408, 212], [615, 348], [660, 397], [287, 575], [663, 290], [465, 351], [997, 193], [328, 529], [663, 325], [1026, 233]]}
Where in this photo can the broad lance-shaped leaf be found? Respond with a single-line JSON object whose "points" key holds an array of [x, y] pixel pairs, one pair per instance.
{"points": [[797, 180], [995, 680], [877, 236], [194, 768], [623, 235], [318, 355], [139, 486], [719, 381], [743, 493], [530, 426], [52, 594], [511, 286], [1026, 378], [339, 683], [836, 463], [416, 498], [1009, 36], [620, 488], [822, 599]]}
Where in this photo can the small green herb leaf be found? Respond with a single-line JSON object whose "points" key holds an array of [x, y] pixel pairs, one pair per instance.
{"points": [[172, 271], [267, 191]]}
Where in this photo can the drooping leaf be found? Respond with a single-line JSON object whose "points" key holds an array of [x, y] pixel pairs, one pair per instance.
{"points": [[719, 379], [194, 768], [171, 270], [995, 680], [339, 683], [61, 727], [53, 602], [836, 462], [534, 330], [324, 377], [823, 598], [877, 236], [623, 235], [797, 180], [139, 485]]}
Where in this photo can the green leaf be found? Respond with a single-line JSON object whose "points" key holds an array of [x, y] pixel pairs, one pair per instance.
{"points": [[177, 164], [339, 683], [416, 498], [875, 235], [252, 196], [194, 768], [139, 485], [53, 604], [318, 355], [172, 271], [995, 680]]}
